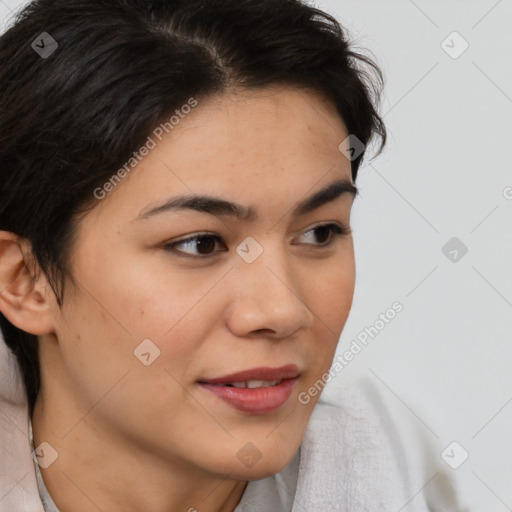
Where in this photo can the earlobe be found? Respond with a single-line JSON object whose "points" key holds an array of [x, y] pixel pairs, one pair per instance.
{"points": [[25, 303]]}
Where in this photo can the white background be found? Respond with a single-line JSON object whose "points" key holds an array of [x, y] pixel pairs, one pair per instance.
{"points": [[448, 354], [446, 357]]}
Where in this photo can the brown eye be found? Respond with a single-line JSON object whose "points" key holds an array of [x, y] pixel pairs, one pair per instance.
{"points": [[324, 234], [204, 245], [327, 233]]}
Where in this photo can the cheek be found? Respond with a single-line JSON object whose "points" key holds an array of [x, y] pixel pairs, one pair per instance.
{"points": [[145, 297], [108, 377], [330, 293], [126, 299], [157, 299]]}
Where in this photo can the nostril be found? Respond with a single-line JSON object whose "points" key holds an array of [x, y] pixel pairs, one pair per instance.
{"points": [[266, 332]]}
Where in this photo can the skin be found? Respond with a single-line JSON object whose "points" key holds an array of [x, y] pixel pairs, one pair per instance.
{"points": [[131, 437]]}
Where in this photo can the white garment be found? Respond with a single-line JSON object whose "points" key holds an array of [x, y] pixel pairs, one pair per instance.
{"points": [[356, 456]]}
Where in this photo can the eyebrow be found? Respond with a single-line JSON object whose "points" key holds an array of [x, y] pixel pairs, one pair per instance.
{"points": [[218, 206]]}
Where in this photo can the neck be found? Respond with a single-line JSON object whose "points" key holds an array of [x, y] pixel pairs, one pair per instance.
{"points": [[99, 470]]}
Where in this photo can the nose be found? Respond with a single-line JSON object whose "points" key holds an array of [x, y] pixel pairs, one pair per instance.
{"points": [[267, 298]]}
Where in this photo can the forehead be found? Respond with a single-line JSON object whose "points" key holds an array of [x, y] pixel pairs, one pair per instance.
{"points": [[248, 145]]}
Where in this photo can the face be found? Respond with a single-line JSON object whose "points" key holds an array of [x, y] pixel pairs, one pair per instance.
{"points": [[169, 298]]}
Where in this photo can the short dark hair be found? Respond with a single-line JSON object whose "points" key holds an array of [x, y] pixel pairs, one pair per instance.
{"points": [[122, 67]]}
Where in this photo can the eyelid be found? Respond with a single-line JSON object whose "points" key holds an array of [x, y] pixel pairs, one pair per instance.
{"points": [[344, 229]]}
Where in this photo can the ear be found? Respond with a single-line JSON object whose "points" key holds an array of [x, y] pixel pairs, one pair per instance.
{"points": [[24, 301]]}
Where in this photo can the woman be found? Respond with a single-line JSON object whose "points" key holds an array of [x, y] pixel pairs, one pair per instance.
{"points": [[176, 261]]}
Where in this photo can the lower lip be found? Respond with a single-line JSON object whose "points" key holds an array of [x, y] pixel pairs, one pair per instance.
{"points": [[254, 401]]}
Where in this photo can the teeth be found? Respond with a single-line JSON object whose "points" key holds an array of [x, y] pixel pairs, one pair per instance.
{"points": [[251, 384]]}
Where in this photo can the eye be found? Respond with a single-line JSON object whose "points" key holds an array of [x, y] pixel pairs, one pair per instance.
{"points": [[329, 233], [204, 243]]}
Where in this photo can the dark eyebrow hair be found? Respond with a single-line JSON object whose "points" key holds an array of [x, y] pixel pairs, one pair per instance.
{"points": [[217, 206]]}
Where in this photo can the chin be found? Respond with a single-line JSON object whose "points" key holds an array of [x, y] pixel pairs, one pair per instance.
{"points": [[256, 466], [258, 472]]}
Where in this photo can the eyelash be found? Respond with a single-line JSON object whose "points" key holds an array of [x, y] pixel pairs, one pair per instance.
{"points": [[337, 231]]}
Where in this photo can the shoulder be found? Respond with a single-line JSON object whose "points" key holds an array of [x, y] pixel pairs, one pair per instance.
{"points": [[371, 454], [18, 485]]}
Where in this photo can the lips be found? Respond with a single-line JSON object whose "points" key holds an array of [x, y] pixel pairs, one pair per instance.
{"points": [[256, 391], [262, 375], [259, 400]]}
